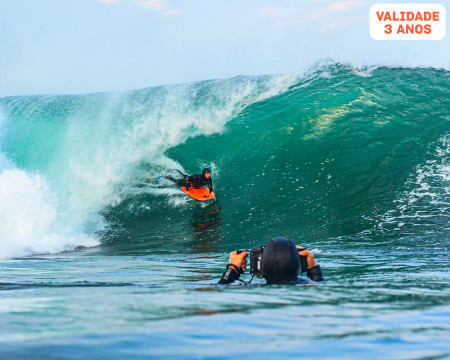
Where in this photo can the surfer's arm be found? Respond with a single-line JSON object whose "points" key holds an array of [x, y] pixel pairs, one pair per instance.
{"points": [[236, 267], [187, 181]]}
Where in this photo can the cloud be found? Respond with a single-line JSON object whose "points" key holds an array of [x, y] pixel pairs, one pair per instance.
{"points": [[341, 6], [152, 4], [156, 5]]}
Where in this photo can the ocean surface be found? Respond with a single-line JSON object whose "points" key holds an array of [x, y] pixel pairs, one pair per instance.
{"points": [[352, 163]]}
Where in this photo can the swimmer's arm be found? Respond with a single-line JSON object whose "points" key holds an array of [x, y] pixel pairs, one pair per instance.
{"points": [[315, 273], [236, 267], [229, 275]]}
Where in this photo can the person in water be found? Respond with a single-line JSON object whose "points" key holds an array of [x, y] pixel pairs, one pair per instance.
{"points": [[195, 181], [281, 264]]}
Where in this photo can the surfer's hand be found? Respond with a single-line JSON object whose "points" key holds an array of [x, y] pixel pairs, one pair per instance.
{"points": [[309, 256], [239, 260]]}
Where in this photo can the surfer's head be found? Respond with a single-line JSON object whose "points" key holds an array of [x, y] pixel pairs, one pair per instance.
{"points": [[281, 261], [206, 172]]}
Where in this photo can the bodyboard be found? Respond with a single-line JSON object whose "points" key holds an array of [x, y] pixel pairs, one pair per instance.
{"points": [[200, 194]]}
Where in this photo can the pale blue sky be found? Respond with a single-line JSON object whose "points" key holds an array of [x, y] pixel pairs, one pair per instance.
{"points": [[76, 46]]}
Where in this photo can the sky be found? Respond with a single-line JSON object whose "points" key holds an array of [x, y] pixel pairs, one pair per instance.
{"points": [[81, 46]]}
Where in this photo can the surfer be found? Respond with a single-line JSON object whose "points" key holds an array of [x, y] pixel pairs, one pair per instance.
{"points": [[279, 262], [194, 181]]}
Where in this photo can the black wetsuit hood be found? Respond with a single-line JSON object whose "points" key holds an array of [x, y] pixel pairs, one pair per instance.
{"points": [[281, 261]]}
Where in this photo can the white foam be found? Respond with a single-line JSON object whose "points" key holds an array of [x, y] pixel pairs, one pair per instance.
{"points": [[430, 186], [29, 217]]}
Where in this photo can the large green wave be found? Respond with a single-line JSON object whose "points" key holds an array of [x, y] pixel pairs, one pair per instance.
{"points": [[339, 154]]}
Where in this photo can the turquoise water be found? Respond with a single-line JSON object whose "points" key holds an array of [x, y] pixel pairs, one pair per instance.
{"points": [[351, 163]]}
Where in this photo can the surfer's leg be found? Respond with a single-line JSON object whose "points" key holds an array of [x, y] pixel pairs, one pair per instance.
{"points": [[179, 182], [170, 178], [183, 175]]}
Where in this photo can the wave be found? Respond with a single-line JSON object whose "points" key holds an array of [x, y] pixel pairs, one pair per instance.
{"points": [[338, 152], [68, 158]]}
